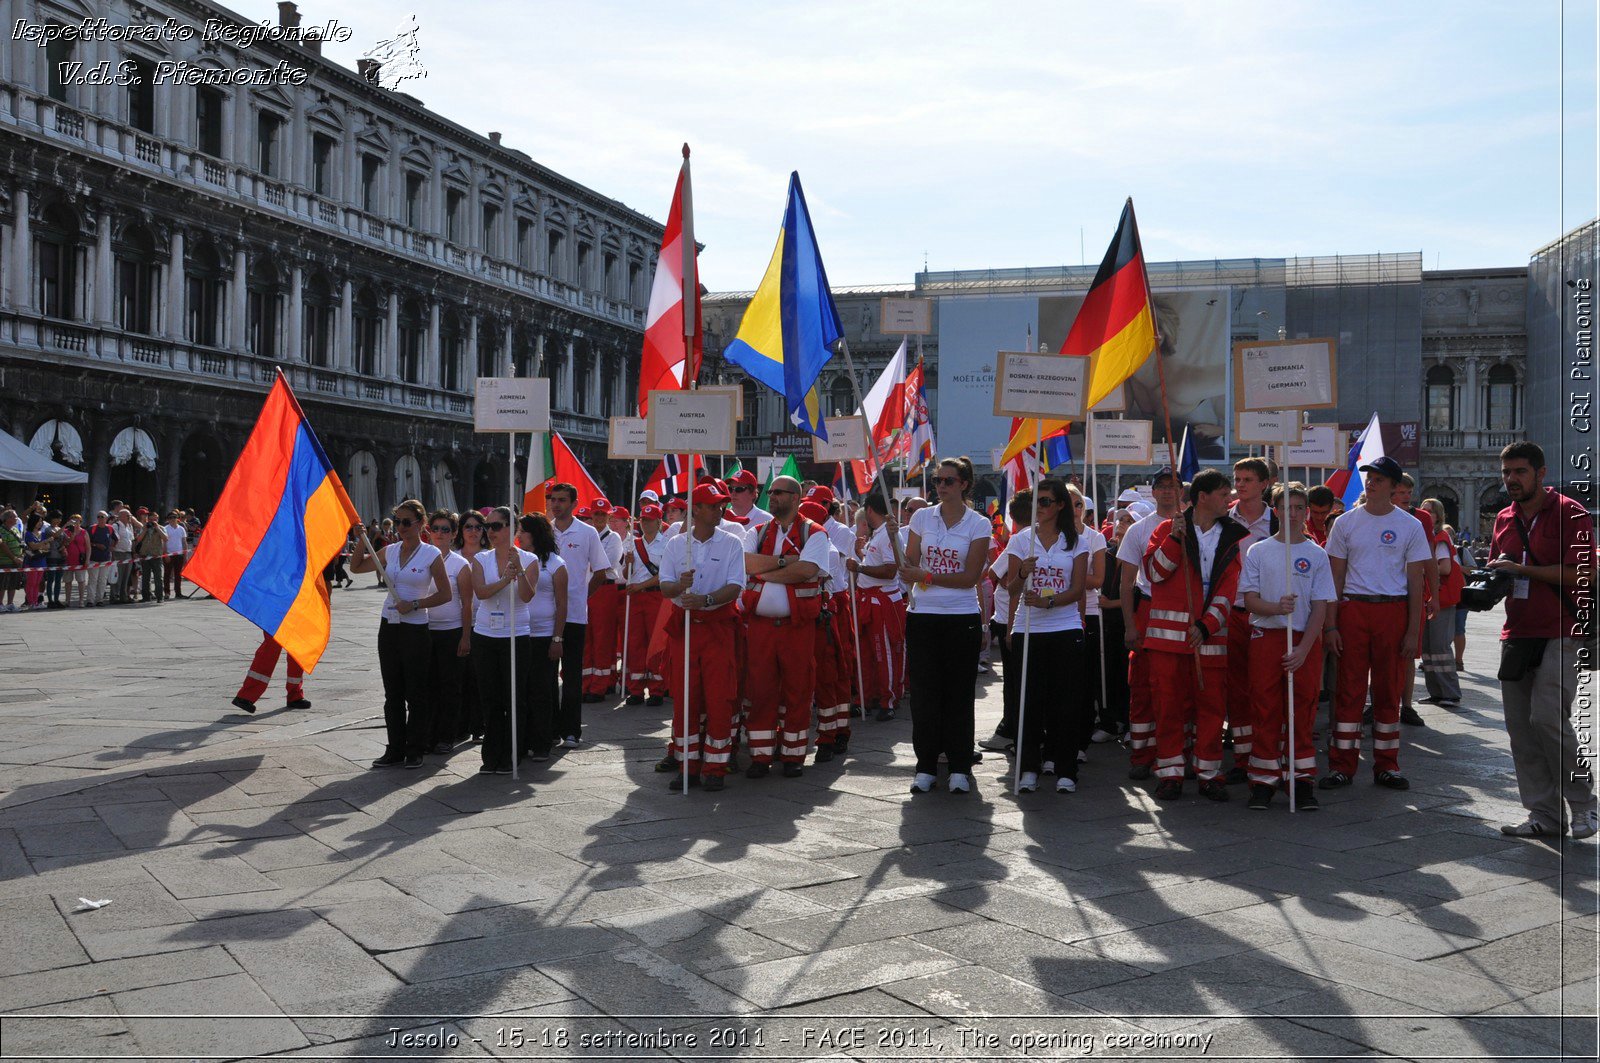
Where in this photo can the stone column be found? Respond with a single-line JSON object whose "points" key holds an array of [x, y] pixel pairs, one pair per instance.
{"points": [[19, 264], [296, 347], [176, 279], [538, 367], [238, 313], [1472, 404], [390, 358], [469, 371], [170, 450], [104, 271], [344, 335], [568, 385], [97, 455], [430, 357]]}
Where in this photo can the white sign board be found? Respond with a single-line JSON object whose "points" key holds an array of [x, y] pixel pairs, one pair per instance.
{"points": [[629, 439], [732, 389], [1121, 442], [907, 492], [1040, 385], [511, 404], [692, 422], [1115, 402], [847, 441], [767, 468], [905, 317], [1274, 428], [1319, 448], [1284, 375], [994, 459]]}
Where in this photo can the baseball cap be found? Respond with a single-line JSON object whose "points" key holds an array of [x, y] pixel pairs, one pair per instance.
{"points": [[743, 478], [651, 495], [620, 513], [709, 494], [1088, 505], [1128, 496], [1166, 473], [734, 518], [600, 505], [822, 496], [1141, 509], [814, 511], [583, 513], [1384, 466], [649, 511], [676, 503]]}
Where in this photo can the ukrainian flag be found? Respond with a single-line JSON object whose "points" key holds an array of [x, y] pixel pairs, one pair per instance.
{"points": [[787, 332], [282, 517]]}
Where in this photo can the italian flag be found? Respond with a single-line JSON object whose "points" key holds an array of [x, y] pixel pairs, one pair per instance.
{"points": [[550, 460]]}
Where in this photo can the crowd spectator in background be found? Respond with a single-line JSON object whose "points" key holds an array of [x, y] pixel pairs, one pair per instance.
{"points": [[75, 551], [124, 530], [36, 537], [152, 543], [102, 537], [1438, 633], [12, 555], [177, 536], [55, 562]]}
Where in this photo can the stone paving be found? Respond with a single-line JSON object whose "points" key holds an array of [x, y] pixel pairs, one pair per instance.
{"points": [[271, 896]]}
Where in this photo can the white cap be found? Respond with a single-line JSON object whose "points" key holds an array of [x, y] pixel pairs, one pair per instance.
{"points": [[1130, 495], [1088, 505], [651, 495], [1141, 509]]}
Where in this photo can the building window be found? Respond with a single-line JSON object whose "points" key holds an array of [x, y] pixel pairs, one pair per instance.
{"points": [[413, 333], [525, 243], [452, 340], [367, 319], [267, 127], [57, 53], [635, 271], [371, 171], [322, 164], [317, 316], [552, 257], [453, 199], [1502, 398], [142, 94], [489, 340], [207, 291], [208, 105], [416, 199], [1441, 385], [844, 399], [56, 249], [138, 282], [609, 271], [752, 403], [263, 304], [491, 230], [585, 253]]}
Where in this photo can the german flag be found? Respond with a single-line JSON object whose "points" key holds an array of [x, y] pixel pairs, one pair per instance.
{"points": [[1115, 326]]}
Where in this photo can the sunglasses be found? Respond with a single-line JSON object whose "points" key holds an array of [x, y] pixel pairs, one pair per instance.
{"points": [[474, 526], [442, 529], [782, 491], [946, 481], [404, 522], [741, 490], [1043, 501], [496, 525]]}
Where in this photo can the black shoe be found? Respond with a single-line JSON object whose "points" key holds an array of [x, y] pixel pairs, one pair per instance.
{"points": [[676, 785], [443, 749], [1305, 796], [634, 699], [712, 784], [1215, 789], [757, 771], [590, 699], [667, 763], [884, 715], [824, 754], [1139, 772], [792, 771], [841, 745], [389, 760], [299, 703], [1235, 776], [413, 760], [504, 769], [1169, 790], [1393, 780], [857, 712], [1409, 715], [653, 700], [1333, 780], [485, 769], [244, 706], [1260, 797]]}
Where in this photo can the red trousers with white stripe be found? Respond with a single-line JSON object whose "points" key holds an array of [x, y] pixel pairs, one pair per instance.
{"points": [[707, 743], [780, 679], [260, 672], [639, 612], [1371, 633], [1241, 706], [1269, 690], [600, 641], [1141, 713], [836, 672], [1178, 701], [883, 646]]}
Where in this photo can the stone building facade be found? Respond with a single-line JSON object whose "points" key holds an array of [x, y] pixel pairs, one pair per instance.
{"points": [[166, 248]]}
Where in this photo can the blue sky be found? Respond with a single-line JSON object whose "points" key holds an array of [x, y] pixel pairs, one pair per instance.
{"points": [[1008, 135]]}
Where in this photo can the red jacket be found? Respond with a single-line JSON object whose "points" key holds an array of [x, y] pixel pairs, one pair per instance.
{"points": [[1170, 619]]}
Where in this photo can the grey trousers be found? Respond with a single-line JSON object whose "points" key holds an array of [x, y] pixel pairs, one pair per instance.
{"points": [[1439, 657], [1551, 767]]}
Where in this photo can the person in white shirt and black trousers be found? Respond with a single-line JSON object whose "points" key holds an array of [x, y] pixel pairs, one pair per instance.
{"points": [[416, 577]]}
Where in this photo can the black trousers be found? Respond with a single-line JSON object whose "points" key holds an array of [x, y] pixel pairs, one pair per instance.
{"points": [[1053, 720], [569, 713], [444, 683], [536, 702], [403, 662], [1114, 713], [491, 660], [942, 664], [1010, 681]]}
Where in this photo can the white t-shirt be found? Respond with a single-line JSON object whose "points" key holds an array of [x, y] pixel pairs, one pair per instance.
{"points": [[538, 614], [1207, 541], [124, 543], [411, 583], [1134, 545], [878, 552], [447, 617], [580, 548], [177, 536], [774, 600], [718, 562], [844, 546], [1259, 529], [944, 551], [493, 616], [1377, 550], [654, 549], [1312, 580], [1002, 596], [1053, 571], [757, 516], [1093, 543], [612, 544]]}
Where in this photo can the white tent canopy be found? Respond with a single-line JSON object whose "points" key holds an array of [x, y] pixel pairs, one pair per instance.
{"points": [[58, 433], [444, 488], [134, 444], [19, 463], [363, 484]]}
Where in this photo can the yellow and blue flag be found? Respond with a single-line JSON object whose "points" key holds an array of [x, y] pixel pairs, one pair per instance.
{"points": [[788, 330]]}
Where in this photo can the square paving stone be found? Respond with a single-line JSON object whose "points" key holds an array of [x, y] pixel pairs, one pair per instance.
{"points": [[87, 980], [397, 923], [308, 963], [452, 892], [776, 983], [638, 982], [1037, 912], [1398, 937], [1503, 912], [68, 839], [1054, 966], [499, 951], [371, 1014], [973, 991], [1188, 941], [91, 1029], [227, 1033], [1544, 958], [37, 937], [219, 876], [1431, 985], [868, 922]]}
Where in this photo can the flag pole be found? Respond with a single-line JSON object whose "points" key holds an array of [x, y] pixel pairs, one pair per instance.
{"points": [[866, 426], [691, 301], [511, 588], [1094, 477], [1288, 585], [1027, 618], [627, 552]]}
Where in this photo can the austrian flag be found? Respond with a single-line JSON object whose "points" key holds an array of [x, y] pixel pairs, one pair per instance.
{"points": [[676, 279]]}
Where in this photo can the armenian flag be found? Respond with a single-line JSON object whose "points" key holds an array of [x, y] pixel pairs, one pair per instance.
{"points": [[282, 517]]}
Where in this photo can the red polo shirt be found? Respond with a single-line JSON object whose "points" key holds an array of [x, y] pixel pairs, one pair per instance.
{"points": [[1561, 532]]}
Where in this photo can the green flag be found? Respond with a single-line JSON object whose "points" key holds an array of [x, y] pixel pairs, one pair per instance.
{"points": [[790, 467], [733, 470]]}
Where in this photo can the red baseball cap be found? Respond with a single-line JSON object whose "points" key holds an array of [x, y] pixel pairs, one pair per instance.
{"points": [[744, 478], [709, 493], [619, 513], [600, 505], [583, 513], [676, 503], [649, 511], [814, 511], [822, 496]]}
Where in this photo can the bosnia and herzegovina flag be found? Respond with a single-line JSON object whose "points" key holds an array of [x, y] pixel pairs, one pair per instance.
{"points": [[788, 330], [1115, 326], [282, 517]]}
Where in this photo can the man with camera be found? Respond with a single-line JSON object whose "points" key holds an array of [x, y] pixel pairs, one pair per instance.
{"points": [[1545, 542]]}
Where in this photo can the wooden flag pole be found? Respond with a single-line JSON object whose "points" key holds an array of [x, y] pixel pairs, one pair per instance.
{"points": [[691, 300], [1288, 588], [511, 588]]}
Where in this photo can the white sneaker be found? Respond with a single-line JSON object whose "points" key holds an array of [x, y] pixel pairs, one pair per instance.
{"points": [[1585, 824], [1048, 768], [1066, 786], [959, 783], [923, 783], [1101, 735], [570, 742], [1028, 783]]}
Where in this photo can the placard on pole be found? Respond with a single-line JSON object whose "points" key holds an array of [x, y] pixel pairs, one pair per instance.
{"points": [[1123, 442], [693, 422], [1269, 428], [1040, 385], [905, 317], [847, 441], [628, 439]]}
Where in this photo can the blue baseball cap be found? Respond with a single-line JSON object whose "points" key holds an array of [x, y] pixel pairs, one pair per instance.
{"points": [[1384, 466]]}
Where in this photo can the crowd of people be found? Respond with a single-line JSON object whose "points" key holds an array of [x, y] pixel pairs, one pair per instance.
{"points": [[123, 556]]}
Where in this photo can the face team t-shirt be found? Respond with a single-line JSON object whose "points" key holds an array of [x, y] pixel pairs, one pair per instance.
{"points": [[944, 552], [1052, 573], [1376, 550]]}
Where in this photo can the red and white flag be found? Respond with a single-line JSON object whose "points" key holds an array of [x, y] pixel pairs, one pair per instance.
{"points": [[886, 407], [919, 426], [667, 330], [672, 475]]}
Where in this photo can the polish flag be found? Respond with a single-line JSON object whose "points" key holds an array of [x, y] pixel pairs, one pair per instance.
{"points": [[677, 282], [885, 406]]}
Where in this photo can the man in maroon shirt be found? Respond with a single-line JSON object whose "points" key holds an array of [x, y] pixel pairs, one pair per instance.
{"points": [[1545, 541]]}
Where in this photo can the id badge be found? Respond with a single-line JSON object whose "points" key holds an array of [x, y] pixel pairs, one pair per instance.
{"points": [[1519, 588], [497, 620]]}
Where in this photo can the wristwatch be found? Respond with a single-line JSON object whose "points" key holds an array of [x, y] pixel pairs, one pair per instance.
{"points": [[783, 561], [555, 638], [414, 605]]}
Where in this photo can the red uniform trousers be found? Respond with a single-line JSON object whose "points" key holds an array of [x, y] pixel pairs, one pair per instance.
{"points": [[600, 640], [836, 665], [639, 615], [1371, 633], [780, 681], [1241, 706], [1179, 702], [260, 672], [1269, 689], [883, 645], [707, 743], [1141, 713]]}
